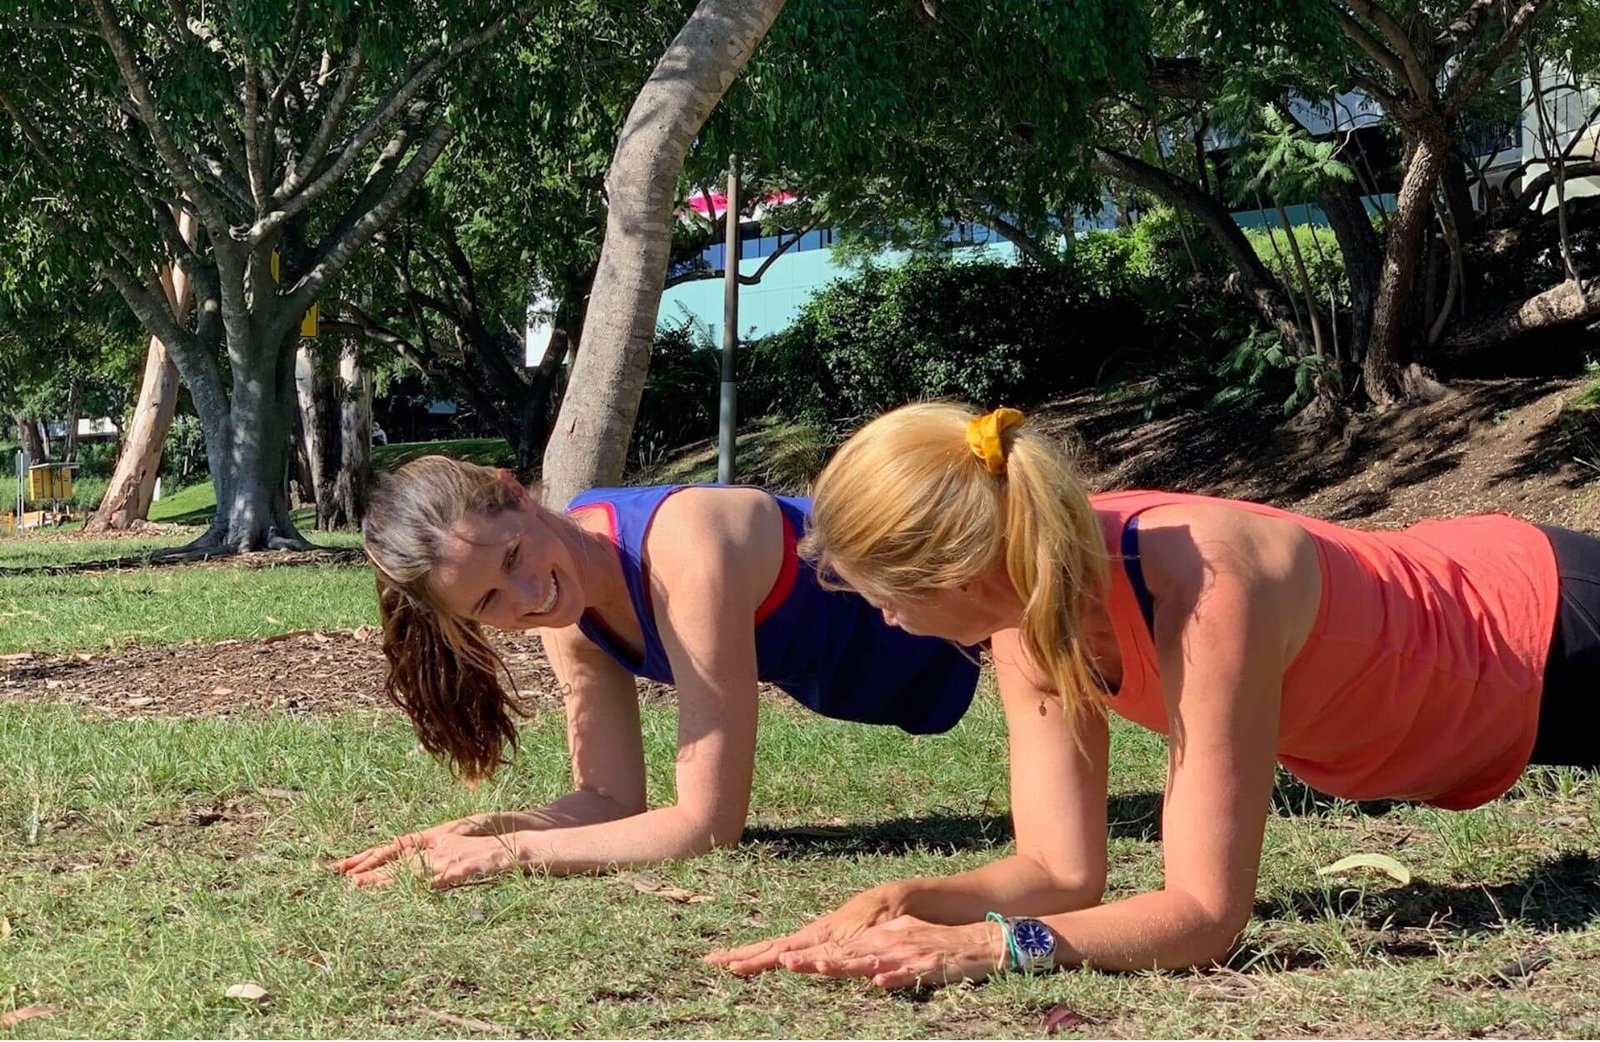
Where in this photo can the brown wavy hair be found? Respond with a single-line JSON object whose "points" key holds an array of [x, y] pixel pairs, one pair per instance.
{"points": [[443, 672]]}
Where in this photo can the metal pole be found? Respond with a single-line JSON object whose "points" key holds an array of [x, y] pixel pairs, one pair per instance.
{"points": [[728, 416]]}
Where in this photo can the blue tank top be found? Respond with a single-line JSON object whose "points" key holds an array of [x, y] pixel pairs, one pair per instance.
{"points": [[829, 650]]}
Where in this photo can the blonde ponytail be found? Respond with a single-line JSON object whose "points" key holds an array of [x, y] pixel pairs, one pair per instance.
{"points": [[931, 496]]}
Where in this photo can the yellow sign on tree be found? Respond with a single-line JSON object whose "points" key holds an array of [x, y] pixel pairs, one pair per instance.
{"points": [[310, 321]]}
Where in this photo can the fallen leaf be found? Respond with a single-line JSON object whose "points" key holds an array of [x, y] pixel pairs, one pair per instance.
{"points": [[84, 656], [363, 633], [139, 702], [277, 638], [17, 1016], [247, 991], [470, 1023], [51, 685], [1382, 862], [1064, 1018], [220, 691], [5, 928], [320, 637], [19, 656], [646, 885]]}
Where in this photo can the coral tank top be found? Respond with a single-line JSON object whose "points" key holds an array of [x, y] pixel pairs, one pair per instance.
{"points": [[1421, 676]]}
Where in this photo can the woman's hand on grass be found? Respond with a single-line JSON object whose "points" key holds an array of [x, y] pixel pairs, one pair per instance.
{"points": [[862, 912], [364, 864], [906, 952]]}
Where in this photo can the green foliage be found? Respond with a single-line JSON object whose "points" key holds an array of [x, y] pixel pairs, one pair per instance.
{"points": [[900, 111], [1319, 248], [681, 400], [982, 331], [1288, 162], [1259, 365], [183, 454]]}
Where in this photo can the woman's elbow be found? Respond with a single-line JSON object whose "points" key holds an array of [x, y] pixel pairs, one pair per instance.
{"points": [[1074, 887], [705, 834], [1216, 937]]}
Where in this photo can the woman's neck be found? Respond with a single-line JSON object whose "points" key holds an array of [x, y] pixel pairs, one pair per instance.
{"points": [[605, 589]]}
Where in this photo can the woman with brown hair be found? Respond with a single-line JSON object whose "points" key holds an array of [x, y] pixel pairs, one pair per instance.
{"points": [[698, 587], [1431, 664]]}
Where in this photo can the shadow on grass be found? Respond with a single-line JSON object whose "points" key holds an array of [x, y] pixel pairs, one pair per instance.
{"points": [[199, 517], [1560, 894], [1133, 816], [1129, 815]]}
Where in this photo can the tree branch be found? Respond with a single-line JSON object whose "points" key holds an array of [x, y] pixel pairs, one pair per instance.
{"points": [[1412, 72], [251, 128], [418, 77], [1466, 26], [1468, 79], [210, 208], [1564, 304], [1363, 38], [337, 253], [318, 149], [783, 247]]}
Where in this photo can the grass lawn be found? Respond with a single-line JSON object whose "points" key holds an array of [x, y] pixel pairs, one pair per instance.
{"points": [[152, 864], [147, 865], [93, 610], [96, 610]]}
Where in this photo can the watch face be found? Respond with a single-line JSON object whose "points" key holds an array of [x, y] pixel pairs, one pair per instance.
{"points": [[1034, 937]]}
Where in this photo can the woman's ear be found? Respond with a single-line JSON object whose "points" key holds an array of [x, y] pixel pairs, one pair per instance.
{"points": [[519, 492]]}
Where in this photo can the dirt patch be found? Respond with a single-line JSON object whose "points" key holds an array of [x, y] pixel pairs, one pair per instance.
{"points": [[307, 672], [1500, 445], [297, 673], [269, 559]]}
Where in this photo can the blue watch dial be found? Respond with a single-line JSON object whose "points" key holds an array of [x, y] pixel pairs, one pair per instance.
{"points": [[1034, 938]]}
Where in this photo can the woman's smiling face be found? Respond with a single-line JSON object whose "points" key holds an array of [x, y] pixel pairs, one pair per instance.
{"points": [[513, 570]]}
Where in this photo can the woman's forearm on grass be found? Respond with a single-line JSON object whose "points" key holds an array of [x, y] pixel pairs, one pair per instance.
{"points": [[1163, 929], [666, 834], [1015, 885], [582, 807]]}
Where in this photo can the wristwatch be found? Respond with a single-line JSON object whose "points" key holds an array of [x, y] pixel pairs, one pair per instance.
{"points": [[1034, 945]]}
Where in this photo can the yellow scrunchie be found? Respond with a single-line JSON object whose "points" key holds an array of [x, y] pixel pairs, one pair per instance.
{"points": [[986, 437]]}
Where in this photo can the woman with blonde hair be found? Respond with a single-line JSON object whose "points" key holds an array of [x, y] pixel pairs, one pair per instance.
{"points": [[1428, 664], [698, 587]]}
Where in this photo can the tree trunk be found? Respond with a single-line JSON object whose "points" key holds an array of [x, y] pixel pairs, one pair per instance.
{"points": [[247, 446], [1363, 257], [133, 481], [69, 440], [1255, 280], [589, 445], [355, 438], [1306, 289], [29, 441], [319, 419], [1567, 303], [1386, 373]]}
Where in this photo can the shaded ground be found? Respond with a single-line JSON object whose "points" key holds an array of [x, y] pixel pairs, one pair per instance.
{"points": [[1501, 445]]}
